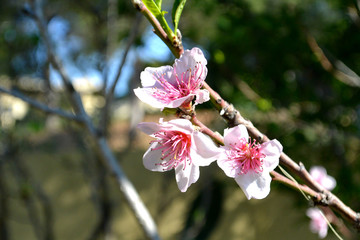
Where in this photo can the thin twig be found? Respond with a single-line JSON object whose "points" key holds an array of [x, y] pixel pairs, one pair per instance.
{"points": [[110, 94], [130, 42], [41, 106], [178, 49], [337, 68]]}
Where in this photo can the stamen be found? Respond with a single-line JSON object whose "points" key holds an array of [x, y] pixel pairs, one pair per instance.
{"points": [[170, 92], [246, 156], [175, 148]]}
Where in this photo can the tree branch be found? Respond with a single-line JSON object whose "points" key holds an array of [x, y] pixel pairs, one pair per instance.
{"points": [[234, 118], [130, 42], [41, 106], [102, 148], [177, 49], [110, 94]]}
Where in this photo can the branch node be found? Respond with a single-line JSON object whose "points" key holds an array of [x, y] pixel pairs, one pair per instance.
{"points": [[357, 222], [138, 4], [302, 166], [260, 138]]}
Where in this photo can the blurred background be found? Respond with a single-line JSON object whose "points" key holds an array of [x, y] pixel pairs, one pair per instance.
{"points": [[290, 66]]}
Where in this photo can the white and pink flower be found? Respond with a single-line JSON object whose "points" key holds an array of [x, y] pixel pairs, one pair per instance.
{"points": [[178, 146], [249, 163], [320, 175], [318, 223], [172, 87]]}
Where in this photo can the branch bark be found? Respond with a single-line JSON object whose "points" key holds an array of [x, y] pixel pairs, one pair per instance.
{"points": [[233, 118], [178, 49]]}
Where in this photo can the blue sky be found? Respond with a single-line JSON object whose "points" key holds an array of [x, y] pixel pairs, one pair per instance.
{"points": [[153, 50]]}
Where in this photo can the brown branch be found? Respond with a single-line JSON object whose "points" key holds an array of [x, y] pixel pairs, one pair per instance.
{"points": [[204, 129], [177, 49], [305, 189], [234, 118]]}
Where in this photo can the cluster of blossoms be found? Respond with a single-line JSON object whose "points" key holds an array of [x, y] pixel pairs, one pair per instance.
{"points": [[318, 223], [181, 146]]}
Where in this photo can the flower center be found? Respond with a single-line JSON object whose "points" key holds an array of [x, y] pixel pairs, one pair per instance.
{"points": [[246, 156], [187, 83], [175, 148]]}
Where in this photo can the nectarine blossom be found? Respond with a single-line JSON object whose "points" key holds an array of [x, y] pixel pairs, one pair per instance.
{"points": [[172, 87], [318, 223], [320, 175], [249, 163], [178, 145]]}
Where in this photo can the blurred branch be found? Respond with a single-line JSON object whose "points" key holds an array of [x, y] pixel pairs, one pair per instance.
{"points": [[111, 37], [336, 67], [29, 190], [25, 189], [110, 94], [102, 148], [41, 106], [3, 204], [130, 42]]}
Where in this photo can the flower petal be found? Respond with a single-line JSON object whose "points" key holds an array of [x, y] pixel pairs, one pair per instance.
{"points": [[254, 185], [186, 177], [232, 135], [320, 175], [227, 165], [178, 102], [318, 223], [146, 95], [204, 151], [190, 59], [272, 149], [329, 183], [150, 76], [149, 127], [202, 96], [180, 124], [152, 159]]}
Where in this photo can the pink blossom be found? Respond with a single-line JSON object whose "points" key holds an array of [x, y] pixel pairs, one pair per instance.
{"points": [[178, 146], [318, 223], [249, 163], [320, 175], [172, 87]]}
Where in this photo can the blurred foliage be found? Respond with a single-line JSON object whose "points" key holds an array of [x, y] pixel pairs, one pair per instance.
{"points": [[259, 58], [264, 44]]}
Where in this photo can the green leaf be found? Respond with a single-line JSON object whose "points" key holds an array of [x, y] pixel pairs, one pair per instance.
{"points": [[153, 8], [158, 3], [176, 12], [156, 11]]}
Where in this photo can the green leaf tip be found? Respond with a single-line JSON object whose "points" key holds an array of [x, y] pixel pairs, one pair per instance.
{"points": [[176, 12]]}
